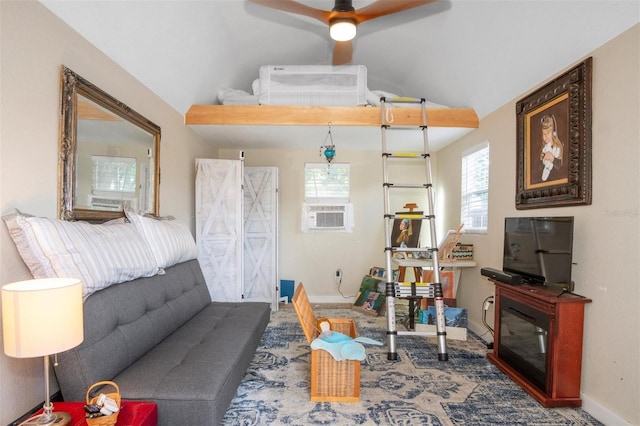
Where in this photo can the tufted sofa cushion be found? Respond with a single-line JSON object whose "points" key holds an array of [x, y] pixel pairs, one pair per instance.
{"points": [[163, 340]]}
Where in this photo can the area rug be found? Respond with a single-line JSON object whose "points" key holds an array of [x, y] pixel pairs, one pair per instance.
{"points": [[417, 389]]}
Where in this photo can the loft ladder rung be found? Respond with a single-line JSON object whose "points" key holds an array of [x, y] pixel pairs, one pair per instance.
{"points": [[402, 127], [408, 185], [410, 216], [419, 333], [406, 156], [410, 249], [417, 290], [402, 100]]}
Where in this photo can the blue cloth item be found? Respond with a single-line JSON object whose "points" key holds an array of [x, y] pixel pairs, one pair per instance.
{"points": [[341, 346]]}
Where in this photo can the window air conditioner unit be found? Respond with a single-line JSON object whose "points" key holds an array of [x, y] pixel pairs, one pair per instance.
{"points": [[110, 203], [327, 217]]}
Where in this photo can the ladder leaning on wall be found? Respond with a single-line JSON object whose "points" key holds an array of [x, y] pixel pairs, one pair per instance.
{"points": [[415, 290]]}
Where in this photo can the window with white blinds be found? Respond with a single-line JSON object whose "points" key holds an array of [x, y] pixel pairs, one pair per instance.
{"points": [[326, 183], [114, 173], [475, 189], [326, 206]]}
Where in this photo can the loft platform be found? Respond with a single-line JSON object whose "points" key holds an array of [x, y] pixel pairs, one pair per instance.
{"points": [[279, 115]]}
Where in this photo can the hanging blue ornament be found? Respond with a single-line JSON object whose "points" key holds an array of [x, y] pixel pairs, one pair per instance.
{"points": [[329, 152], [328, 149]]}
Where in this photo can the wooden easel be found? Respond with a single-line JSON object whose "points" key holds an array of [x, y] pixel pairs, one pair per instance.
{"points": [[446, 251], [410, 206]]}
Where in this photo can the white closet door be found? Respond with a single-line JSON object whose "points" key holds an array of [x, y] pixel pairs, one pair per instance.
{"points": [[219, 226], [261, 235]]}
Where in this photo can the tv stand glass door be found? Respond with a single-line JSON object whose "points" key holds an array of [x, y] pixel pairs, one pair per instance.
{"points": [[524, 333]]}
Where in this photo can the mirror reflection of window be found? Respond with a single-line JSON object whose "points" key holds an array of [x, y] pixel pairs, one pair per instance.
{"points": [[114, 174], [113, 161], [114, 183]]}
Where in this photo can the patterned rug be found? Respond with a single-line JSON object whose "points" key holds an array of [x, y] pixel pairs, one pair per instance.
{"points": [[417, 389]]}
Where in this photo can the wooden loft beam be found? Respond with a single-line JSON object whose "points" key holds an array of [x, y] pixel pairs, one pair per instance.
{"points": [[322, 115]]}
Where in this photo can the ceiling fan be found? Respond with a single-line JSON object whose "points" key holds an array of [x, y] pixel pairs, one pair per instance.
{"points": [[343, 19]]}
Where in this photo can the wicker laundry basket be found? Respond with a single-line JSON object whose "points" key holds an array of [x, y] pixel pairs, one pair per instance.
{"points": [[331, 380]]}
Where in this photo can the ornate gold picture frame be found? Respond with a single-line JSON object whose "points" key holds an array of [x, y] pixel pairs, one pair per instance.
{"points": [[554, 142]]}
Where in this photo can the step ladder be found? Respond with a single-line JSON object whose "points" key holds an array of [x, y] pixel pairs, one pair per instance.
{"points": [[417, 290]]}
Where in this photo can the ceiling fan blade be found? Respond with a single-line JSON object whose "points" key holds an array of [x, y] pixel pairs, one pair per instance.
{"points": [[342, 52], [387, 7], [294, 6]]}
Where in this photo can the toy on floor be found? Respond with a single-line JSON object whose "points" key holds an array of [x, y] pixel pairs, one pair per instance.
{"points": [[339, 345]]}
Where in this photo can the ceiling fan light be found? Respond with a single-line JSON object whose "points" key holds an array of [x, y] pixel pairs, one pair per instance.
{"points": [[342, 29]]}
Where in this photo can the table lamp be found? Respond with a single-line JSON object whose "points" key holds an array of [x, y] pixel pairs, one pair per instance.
{"points": [[42, 317]]}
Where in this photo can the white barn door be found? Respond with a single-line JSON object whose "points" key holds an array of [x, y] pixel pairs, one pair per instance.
{"points": [[219, 226], [261, 235]]}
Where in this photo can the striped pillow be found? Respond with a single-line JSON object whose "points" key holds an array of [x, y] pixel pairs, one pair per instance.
{"points": [[170, 240], [100, 255]]}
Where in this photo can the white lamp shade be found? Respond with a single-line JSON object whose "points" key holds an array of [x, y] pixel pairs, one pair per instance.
{"points": [[342, 29], [41, 317]]}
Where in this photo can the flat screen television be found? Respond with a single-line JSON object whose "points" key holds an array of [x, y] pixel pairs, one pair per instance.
{"points": [[540, 249]]}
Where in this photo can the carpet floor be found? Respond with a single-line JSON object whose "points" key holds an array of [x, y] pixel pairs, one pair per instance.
{"points": [[417, 389]]}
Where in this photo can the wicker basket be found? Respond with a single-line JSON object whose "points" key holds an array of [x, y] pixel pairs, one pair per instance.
{"points": [[111, 419], [331, 380]]}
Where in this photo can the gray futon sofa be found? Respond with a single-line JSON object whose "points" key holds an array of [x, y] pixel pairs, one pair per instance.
{"points": [[161, 339]]}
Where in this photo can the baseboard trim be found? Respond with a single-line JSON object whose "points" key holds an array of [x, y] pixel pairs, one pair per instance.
{"points": [[600, 412], [331, 299]]}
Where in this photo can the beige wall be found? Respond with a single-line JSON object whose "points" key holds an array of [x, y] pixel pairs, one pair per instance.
{"points": [[34, 45], [606, 241]]}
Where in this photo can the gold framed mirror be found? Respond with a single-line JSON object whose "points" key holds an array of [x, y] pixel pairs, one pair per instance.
{"points": [[109, 155]]}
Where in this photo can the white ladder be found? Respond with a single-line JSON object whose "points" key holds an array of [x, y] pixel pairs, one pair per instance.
{"points": [[416, 290]]}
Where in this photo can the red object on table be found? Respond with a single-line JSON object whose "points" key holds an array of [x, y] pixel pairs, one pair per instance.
{"points": [[132, 413]]}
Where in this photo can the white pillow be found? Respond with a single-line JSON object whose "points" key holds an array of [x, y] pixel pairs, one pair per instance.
{"points": [[99, 255], [170, 240]]}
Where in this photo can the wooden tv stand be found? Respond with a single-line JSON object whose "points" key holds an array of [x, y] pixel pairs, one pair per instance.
{"points": [[564, 342]]}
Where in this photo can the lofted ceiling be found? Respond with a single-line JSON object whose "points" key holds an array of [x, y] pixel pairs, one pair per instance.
{"points": [[476, 54]]}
